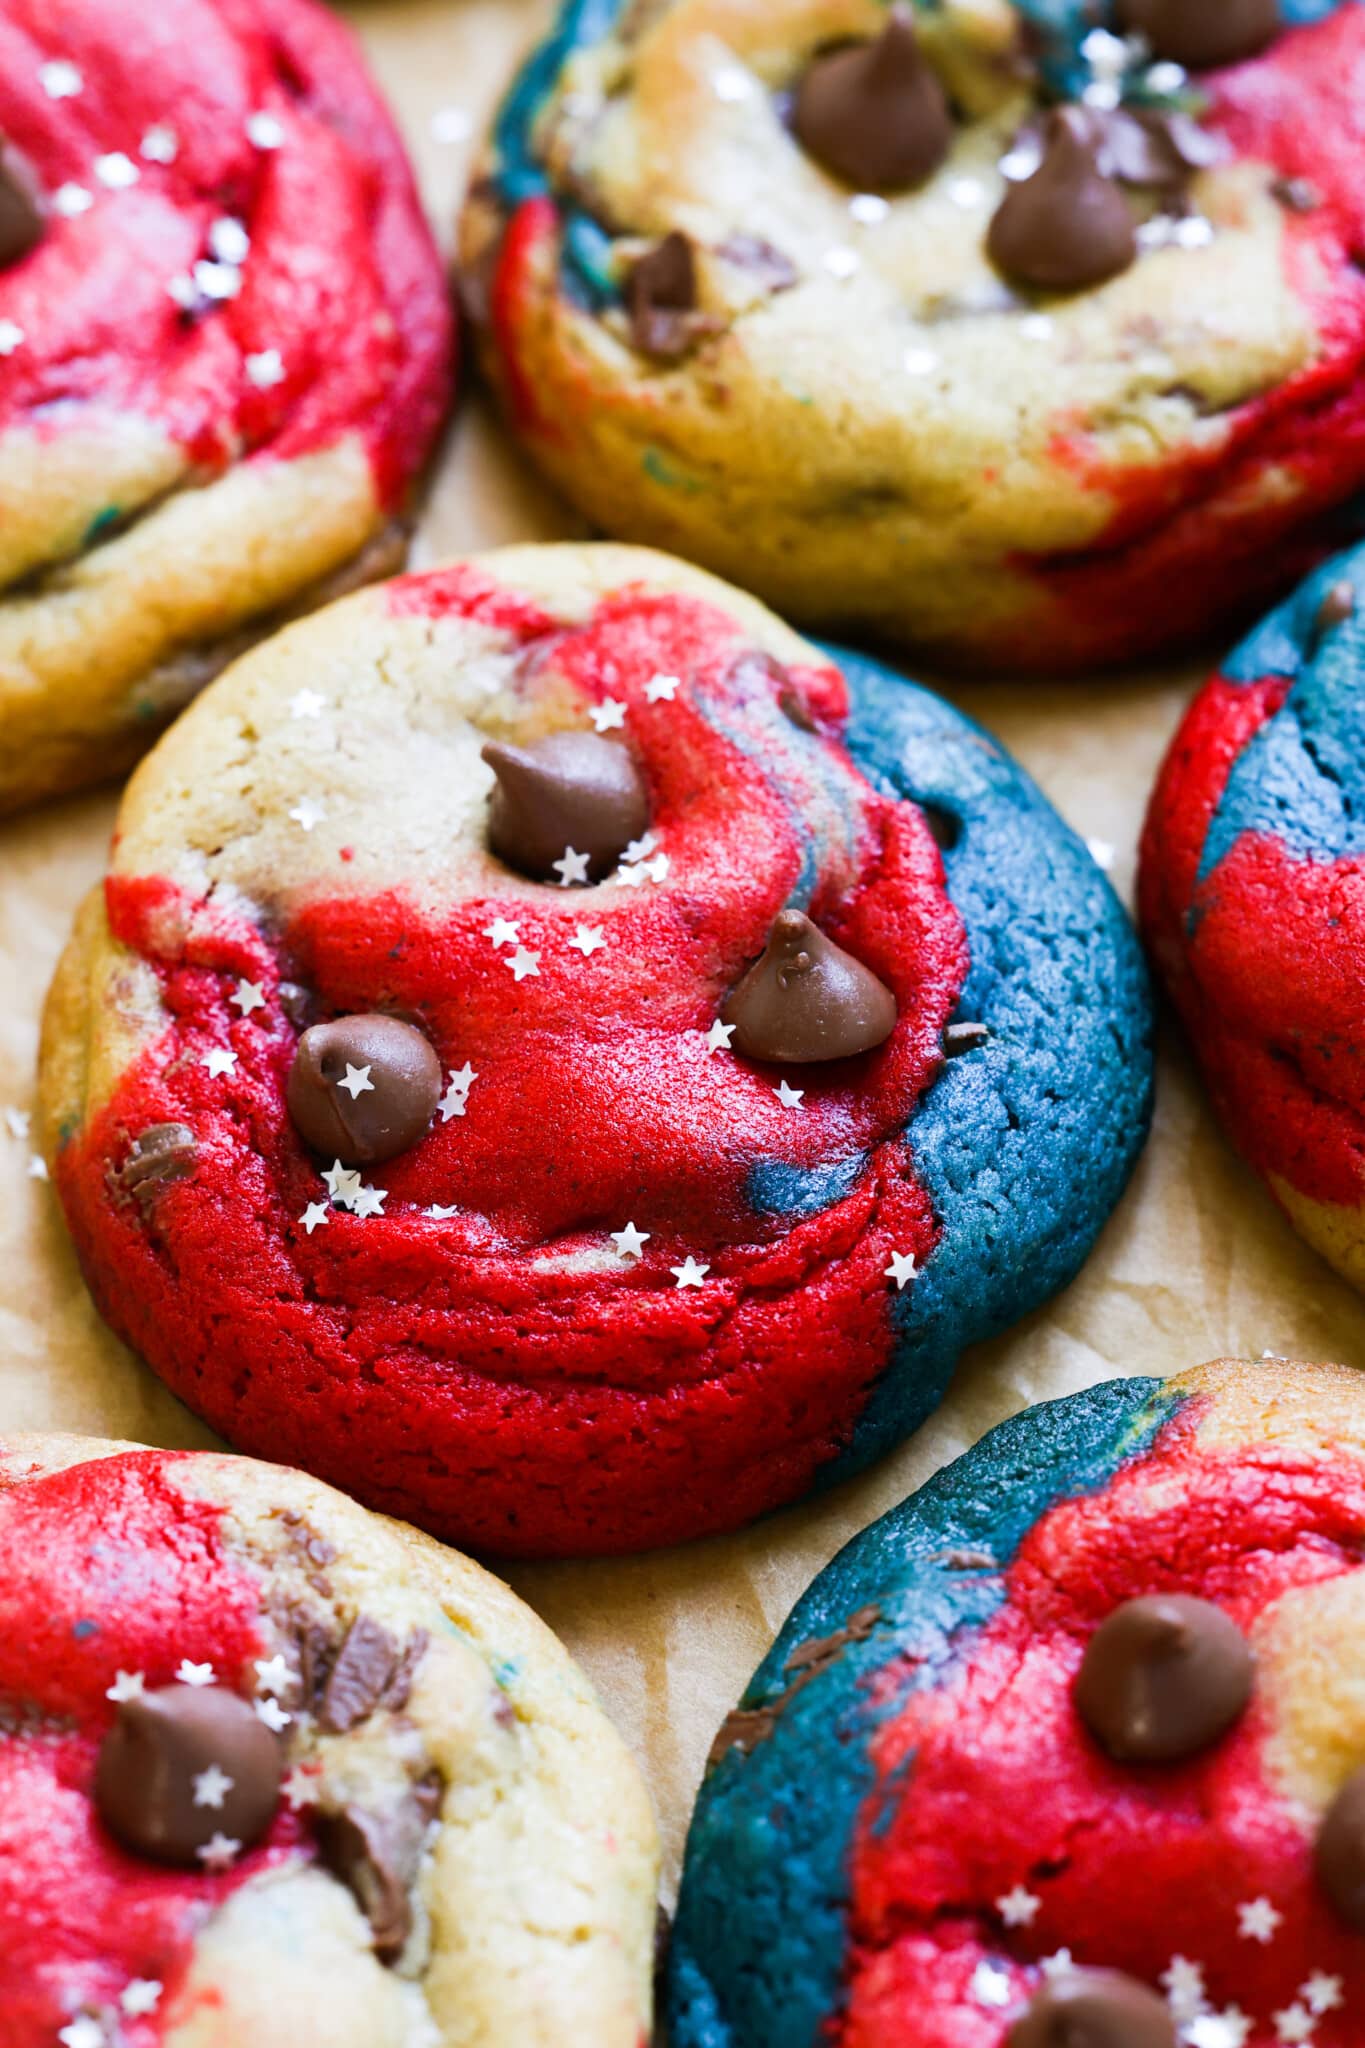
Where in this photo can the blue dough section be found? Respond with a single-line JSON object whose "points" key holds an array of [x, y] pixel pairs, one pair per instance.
{"points": [[1301, 778], [1026, 1143], [758, 1948]]}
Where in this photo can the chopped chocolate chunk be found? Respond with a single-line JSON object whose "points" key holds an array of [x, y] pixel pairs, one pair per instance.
{"points": [[960, 1038], [745, 1727], [749, 252], [163, 1153], [298, 1004], [370, 1671], [661, 294], [1337, 606], [377, 1856]]}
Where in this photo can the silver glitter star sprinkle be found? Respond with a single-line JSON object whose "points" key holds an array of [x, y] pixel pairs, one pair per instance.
{"points": [[1258, 1921], [630, 1242], [523, 963], [313, 1215], [1018, 1908], [273, 1715], [219, 1853], [719, 1036], [1321, 1993], [501, 933], [689, 1273], [218, 1060], [307, 704], [789, 1097], [307, 814], [356, 1081], [1183, 1984], [274, 1674], [369, 1201], [608, 715], [248, 996], [456, 1097], [342, 1184], [587, 939], [194, 1674], [662, 689], [127, 1685]]}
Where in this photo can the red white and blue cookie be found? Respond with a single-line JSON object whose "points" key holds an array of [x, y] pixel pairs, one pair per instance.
{"points": [[1067, 1751], [276, 1773], [1253, 901], [573, 1063], [1033, 335], [225, 351]]}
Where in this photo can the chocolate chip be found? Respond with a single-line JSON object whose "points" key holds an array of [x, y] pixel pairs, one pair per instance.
{"points": [[749, 252], [1340, 1852], [960, 1038], [1338, 605], [1068, 225], [1163, 1677], [1202, 33], [874, 113], [363, 1088], [377, 1855], [162, 1154], [570, 790], [370, 1671], [21, 217], [1094, 2009], [796, 710], [298, 1003], [1150, 149], [661, 296], [807, 999], [160, 1777], [1300, 195]]}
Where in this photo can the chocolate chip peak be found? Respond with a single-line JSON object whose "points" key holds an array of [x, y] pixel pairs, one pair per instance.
{"points": [[363, 1088], [21, 219], [807, 999], [874, 113], [1340, 1852], [1068, 225], [1202, 33], [1163, 1677], [568, 790], [1094, 2009], [182, 1765], [661, 296]]}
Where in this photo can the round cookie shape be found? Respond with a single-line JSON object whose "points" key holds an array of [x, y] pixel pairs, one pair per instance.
{"points": [[908, 1832], [674, 1282], [1252, 893], [272, 1759], [225, 352], [918, 370]]}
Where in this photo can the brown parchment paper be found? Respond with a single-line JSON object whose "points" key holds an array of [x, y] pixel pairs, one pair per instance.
{"points": [[1196, 1262]]}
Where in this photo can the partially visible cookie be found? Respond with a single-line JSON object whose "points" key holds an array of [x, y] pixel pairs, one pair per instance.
{"points": [[275, 1771], [1253, 901], [225, 351], [1067, 1749], [1031, 335], [573, 1063]]}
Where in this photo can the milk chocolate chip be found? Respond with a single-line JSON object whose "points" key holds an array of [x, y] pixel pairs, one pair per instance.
{"points": [[1340, 1852], [661, 296], [874, 113], [569, 790], [377, 1856], [21, 219], [1094, 2009], [161, 1154], [1202, 33], [1068, 225], [183, 1764], [1163, 1677], [1338, 605], [807, 999], [363, 1088]]}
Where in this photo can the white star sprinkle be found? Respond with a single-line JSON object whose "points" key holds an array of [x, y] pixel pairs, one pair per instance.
{"points": [[127, 1685], [11, 337], [273, 1715], [633, 877], [1227, 2029], [440, 1215], [17, 1122], [523, 963], [638, 848], [588, 938], [662, 689], [194, 1674], [719, 1036], [1258, 1920], [630, 1242], [965, 192], [181, 288], [789, 1097], [609, 714], [1037, 326], [1183, 1983], [455, 1099], [1057, 1966], [868, 208], [70, 200], [220, 1853], [313, 1215], [307, 814], [264, 369], [1101, 852], [1321, 1993], [731, 84], [300, 1787], [689, 1273], [342, 1184], [841, 261], [1295, 2024], [901, 1269], [229, 241], [160, 145], [83, 2033], [140, 1996], [502, 933], [37, 1167], [571, 867], [274, 1674], [370, 1201], [248, 996], [463, 1077], [307, 704], [216, 281], [59, 79], [211, 1787], [218, 1061], [1018, 1908], [116, 171], [657, 869], [263, 131], [990, 1985], [356, 1081]]}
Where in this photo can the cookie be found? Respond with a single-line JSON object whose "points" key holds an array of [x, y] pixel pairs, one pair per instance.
{"points": [[277, 1771], [606, 1163], [977, 326], [1066, 1748], [225, 351], [1253, 897]]}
